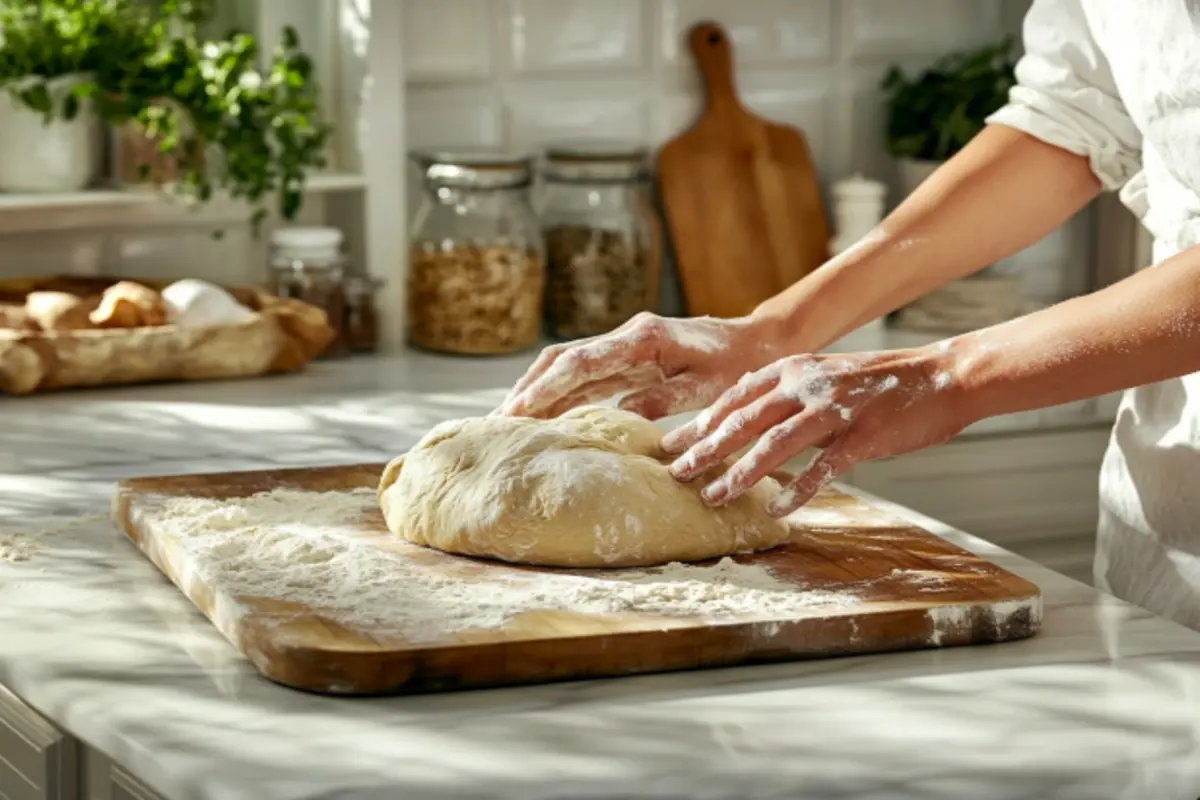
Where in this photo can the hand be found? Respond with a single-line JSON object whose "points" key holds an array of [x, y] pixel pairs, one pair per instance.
{"points": [[669, 366], [856, 407]]}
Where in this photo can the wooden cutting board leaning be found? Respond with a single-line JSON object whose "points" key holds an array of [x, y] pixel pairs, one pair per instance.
{"points": [[297, 569], [740, 194]]}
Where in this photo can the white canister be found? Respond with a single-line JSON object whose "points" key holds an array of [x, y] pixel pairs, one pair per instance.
{"points": [[858, 209], [41, 157], [858, 204]]}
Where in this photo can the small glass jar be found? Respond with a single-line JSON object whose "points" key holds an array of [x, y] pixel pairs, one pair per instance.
{"points": [[362, 315], [476, 265], [602, 237], [307, 264]]}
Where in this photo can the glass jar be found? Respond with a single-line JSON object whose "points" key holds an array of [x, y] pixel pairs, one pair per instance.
{"points": [[362, 315], [602, 237], [476, 265], [307, 263]]}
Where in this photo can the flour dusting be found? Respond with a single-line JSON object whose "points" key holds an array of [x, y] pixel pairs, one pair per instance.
{"points": [[948, 620], [574, 474], [703, 334], [25, 542], [316, 549]]}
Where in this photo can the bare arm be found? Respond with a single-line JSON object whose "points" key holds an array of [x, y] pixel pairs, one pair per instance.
{"points": [[1144, 329], [1000, 194]]}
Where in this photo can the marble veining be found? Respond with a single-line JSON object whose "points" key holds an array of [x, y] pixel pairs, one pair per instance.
{"points": [[1104, 703]]}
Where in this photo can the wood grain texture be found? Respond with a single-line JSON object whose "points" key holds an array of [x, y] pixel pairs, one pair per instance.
{"points": [[891, 564], [741, 196]]}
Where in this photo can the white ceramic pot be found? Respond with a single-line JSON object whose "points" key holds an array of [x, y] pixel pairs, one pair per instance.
{"points": [[913, 173], [37, 157]]}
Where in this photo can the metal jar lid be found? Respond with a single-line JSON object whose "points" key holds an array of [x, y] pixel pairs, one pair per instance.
{"points": [[595, 160], [475, 168]]}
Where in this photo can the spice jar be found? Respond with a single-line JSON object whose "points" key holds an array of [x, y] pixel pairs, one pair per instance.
{"points": [[602, 237], [476, 265], [307, 264], [362, 316]]}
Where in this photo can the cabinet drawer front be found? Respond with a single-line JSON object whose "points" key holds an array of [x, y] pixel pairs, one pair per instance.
{"points": [[33, 754], [15, 786]]}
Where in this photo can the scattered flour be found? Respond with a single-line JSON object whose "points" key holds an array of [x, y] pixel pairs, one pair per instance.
{"points": [[929, 579], [807, 383], [702, 334], [24, 542], [315, 548], [576, 472]]}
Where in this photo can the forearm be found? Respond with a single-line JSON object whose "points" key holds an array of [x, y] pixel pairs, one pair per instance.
{"points": [[1000, 194], [1144, 329]]}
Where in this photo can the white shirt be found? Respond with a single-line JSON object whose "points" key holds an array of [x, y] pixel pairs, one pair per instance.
{"points": [[1119, 82]]}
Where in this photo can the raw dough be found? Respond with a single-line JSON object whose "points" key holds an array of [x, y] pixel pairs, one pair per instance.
{"points": [[589, 489]]}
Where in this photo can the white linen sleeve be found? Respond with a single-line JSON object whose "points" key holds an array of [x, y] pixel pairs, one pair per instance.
{"points": [[1066, 96]]}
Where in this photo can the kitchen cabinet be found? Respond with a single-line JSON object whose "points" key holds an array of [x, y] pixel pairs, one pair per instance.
{"points": [[37, 760], [103, 780], [40, 762]]}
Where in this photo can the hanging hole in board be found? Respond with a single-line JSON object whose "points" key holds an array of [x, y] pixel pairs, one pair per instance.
{"points": [[714, 38]]}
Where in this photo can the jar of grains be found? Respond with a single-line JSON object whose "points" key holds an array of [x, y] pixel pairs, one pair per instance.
{"points": [[602, 237], [476, 265]]}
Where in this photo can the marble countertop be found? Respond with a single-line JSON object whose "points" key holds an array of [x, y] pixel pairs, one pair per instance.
{"points": [[1104, 703]]}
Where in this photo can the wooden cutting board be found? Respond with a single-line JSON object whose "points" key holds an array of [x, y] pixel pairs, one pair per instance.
{"points": [[914, 590], [741, 196]]}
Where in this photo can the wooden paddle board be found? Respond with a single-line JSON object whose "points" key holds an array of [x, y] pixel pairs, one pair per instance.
{"points": [[900, 586], [741, 196]]}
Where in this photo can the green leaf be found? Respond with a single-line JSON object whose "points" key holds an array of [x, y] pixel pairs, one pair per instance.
{"points": [[933, 114]]}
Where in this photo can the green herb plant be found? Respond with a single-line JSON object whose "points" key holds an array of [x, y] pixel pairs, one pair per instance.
{"points": [[220, 121], [933, 115]]}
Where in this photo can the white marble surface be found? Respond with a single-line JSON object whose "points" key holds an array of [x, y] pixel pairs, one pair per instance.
{"points": [[1105, 703]]}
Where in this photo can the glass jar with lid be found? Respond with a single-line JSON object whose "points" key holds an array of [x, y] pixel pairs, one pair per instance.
{"points": [[602, 236], [307, 263], [476, 264]]}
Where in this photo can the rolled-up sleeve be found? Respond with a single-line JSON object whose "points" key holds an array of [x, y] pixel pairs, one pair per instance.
{"points": [[1066, 96]]}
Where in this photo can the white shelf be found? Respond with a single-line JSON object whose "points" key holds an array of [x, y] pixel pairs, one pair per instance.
{"points": [[85, 199], [99, 208]]}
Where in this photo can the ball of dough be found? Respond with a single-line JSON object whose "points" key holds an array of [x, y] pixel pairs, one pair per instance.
{"points": [[589, 489]]}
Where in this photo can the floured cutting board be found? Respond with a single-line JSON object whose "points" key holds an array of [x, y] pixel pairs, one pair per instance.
{"points": [[316, 592], [741, 196]]}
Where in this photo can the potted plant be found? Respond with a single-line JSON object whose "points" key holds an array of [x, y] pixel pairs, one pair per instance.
{"points": [[213, 119], [49, 128], [932, 116]]}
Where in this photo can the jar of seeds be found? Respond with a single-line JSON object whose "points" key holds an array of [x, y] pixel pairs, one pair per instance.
{"points": [[476, 264], [602, 237]]}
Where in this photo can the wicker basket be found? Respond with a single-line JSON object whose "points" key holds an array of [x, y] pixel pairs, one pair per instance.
{"points": [[281, 336]]}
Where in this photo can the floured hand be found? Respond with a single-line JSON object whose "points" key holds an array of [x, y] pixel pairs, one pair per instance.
{"points": [[668, 366], [857, 407]]}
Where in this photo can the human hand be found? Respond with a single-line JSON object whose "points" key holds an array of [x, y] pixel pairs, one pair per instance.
{"points": [[668, 365], [857, 407]]}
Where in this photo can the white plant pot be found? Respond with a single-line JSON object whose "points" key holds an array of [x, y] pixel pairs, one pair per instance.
{"points": [[913, 173], [37, 157]]}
